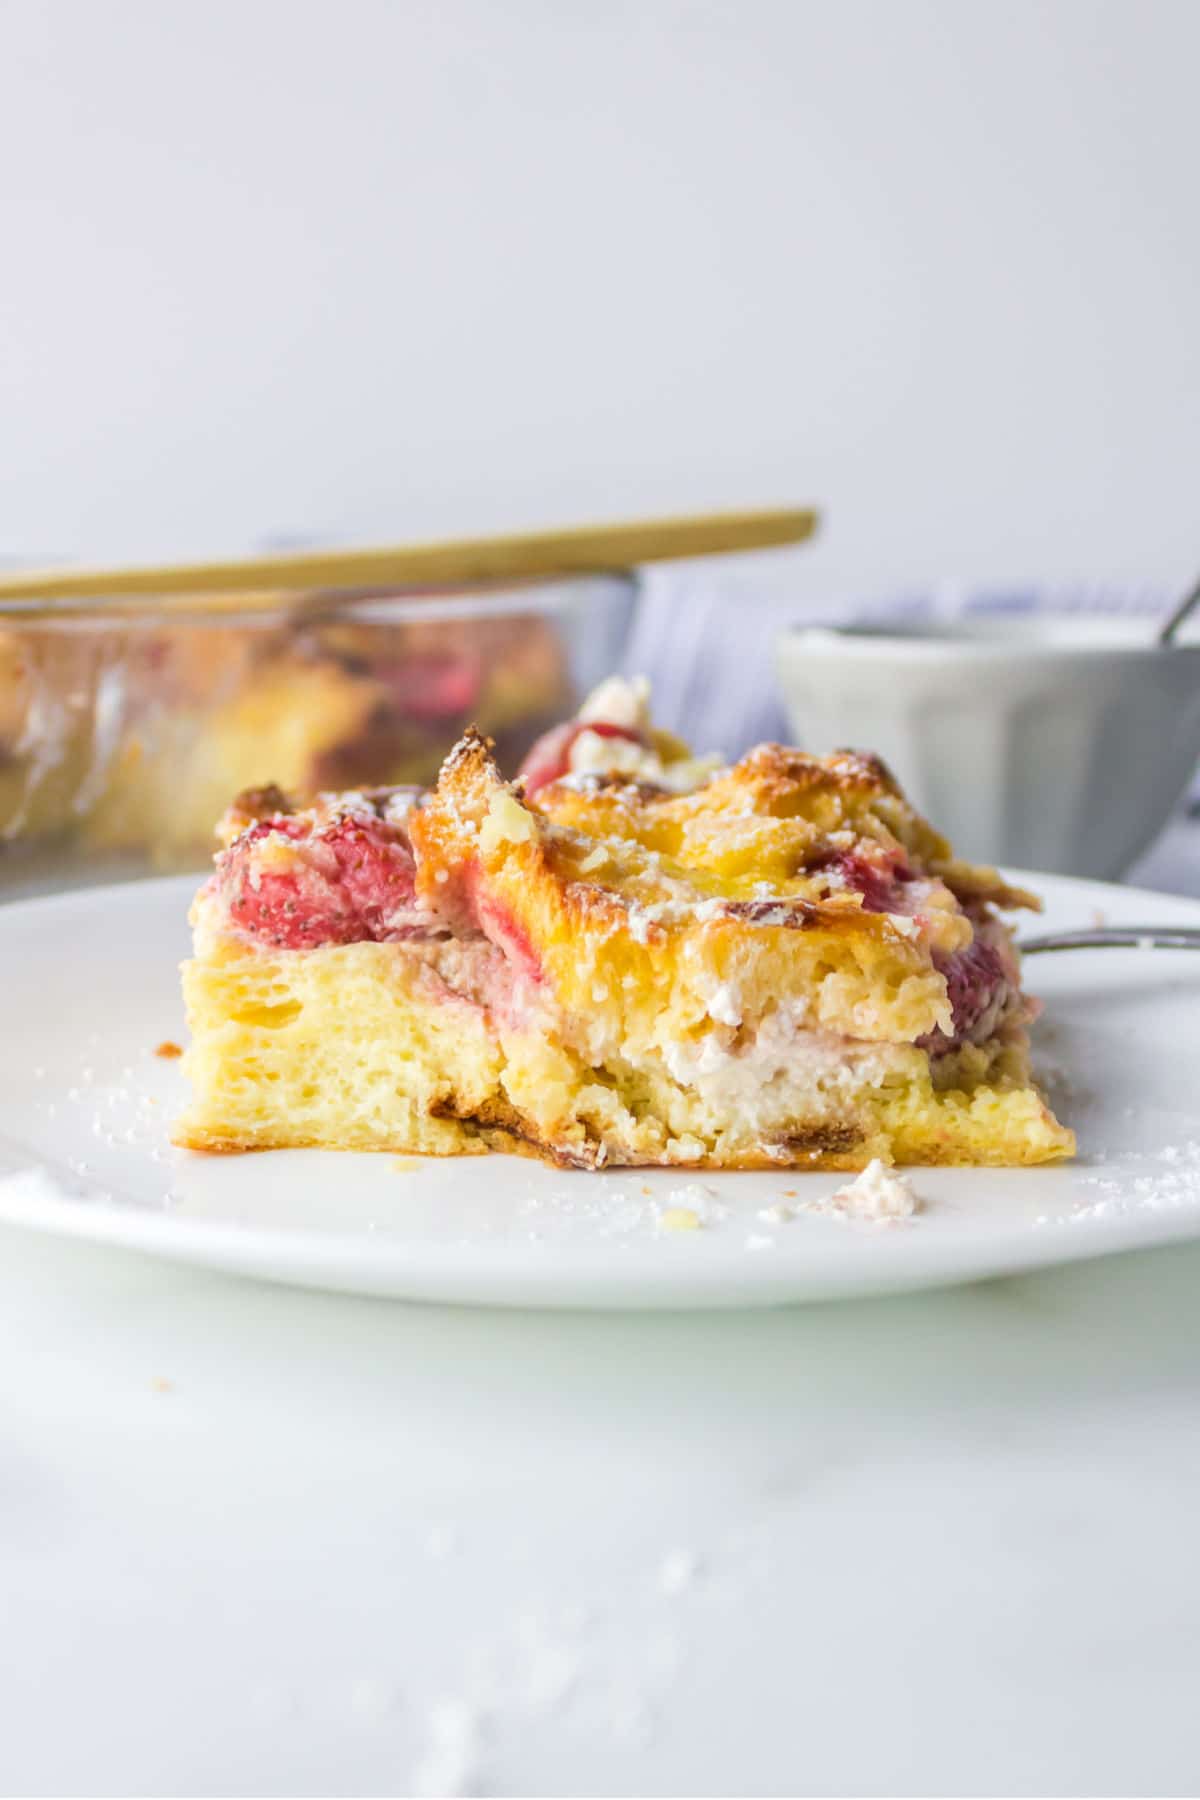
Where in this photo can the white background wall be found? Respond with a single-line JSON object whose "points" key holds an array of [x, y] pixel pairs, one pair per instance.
{"points": [[355, 269]]}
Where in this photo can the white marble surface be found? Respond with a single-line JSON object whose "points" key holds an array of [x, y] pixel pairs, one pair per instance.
{"points": [[930, 1545], [261, 1541]]}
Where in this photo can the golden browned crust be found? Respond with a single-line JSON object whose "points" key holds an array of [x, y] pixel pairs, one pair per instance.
{"points": [[663, 928], [191, 1135], [252, 805], [770, 817]]}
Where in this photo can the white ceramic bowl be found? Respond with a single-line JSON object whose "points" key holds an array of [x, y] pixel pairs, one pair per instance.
{"points": [[1058, 743]]}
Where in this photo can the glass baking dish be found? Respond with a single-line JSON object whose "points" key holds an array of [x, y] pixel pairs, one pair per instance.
{"points": [[127, 725]]}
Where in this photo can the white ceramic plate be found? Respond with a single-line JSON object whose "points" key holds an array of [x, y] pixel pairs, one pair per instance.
{"points": [[88, 987]]}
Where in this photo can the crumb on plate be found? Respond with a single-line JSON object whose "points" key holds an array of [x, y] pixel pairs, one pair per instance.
{"points": [[679, 1218], [877, 1193]]}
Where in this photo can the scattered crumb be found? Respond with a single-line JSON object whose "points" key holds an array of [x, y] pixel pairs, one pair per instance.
{"points": [[167, 1050], [406, 1164], [450, 1764], [679, 1218], [777, 1213], [790, 1193], [877, 1193], [1099, 918], [647, 1190], [687, 1208], [162, 1386], [678, 1570]]}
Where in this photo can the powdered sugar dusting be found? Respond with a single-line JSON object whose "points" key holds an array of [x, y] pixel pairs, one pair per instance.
{"points": [[1140, 1183]]}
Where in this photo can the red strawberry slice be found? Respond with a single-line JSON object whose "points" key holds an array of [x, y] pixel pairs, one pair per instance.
{"points": [[550, 758], [874, 881], [974, 977], [346, 884], [498, 923]]}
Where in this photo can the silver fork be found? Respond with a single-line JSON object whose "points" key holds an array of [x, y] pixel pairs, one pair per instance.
{"points": [[1115, 937]]}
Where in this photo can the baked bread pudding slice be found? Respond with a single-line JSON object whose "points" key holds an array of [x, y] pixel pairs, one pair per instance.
{"points": [[627, 956]]}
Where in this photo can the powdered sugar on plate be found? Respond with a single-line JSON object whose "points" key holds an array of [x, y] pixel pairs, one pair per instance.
{"points": [[1140, 1182]]}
